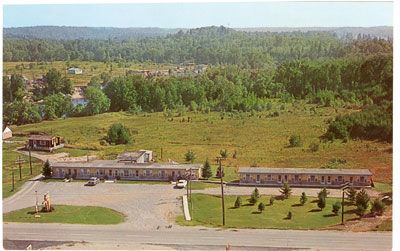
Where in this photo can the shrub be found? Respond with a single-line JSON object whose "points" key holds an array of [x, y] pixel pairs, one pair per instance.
{"points": [[321, 203], [261, 207], [190, 156], [118, 134], [256, 193], [207, 172], [303, 198], [336, 207], [323, 193], [360, 210], [295, 141], [362, 198], [234, 154], [285, 190], [253, 199], [224, 153], [289, 216], [378, 207], [271, 200], [238, 202], [314, 147]]}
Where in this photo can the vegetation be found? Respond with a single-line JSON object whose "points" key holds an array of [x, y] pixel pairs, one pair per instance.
{"points": [[190, 156], [118, 134], [207, 172], [303, 198], [362, 202], [224, 153], [271, 201], [207, 212], [285, 191], [255, 196], [351, 195], [321, 202], [378, 207], [295, 141], [261, 207], [323, 193], [289, 216], [336, 207], [386, 225], [46, 169], [67, 215], [238, 202]]}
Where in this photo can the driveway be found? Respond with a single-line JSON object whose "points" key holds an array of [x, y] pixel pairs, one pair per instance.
{"points": [[146, 206]]}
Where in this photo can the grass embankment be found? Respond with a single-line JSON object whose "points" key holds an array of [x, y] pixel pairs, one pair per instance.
{"points": [[68, 214], [387, 225], [258, 140], [207, 212], [9, 158], [90, 69]]}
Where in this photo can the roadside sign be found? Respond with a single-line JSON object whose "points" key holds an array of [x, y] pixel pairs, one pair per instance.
{"points": [[345, 186]]}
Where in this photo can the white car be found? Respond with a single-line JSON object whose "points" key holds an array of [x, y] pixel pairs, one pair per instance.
{"points": [[181, 184], [94, 180]]}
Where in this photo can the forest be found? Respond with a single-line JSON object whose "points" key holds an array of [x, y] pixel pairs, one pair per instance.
{"points": [[247, 71]]}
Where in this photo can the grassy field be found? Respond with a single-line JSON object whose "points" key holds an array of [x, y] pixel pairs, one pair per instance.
{"points": [[90, 69], [258, 140], [68, 215], [383, 187], [207, 212], [196, 185], [387, 225], [9, 158]]}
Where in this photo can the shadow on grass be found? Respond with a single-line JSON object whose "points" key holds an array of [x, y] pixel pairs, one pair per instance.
{"points": [[314, 210], [330, 215], [233, 207], [351, 211], [31, 213], [279, 197], [287, 218], [315, 201], [297, 205], [353, 219], [347, 203], [256, 212], [248, 205]]}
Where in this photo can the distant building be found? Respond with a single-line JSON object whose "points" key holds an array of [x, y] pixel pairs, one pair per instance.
{"points": [[77, 97], [142, 156], [44, 143], [7, 133], [74, 71], [262, 176]]}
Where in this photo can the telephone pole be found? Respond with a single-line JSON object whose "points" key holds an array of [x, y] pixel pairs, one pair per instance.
{"points": [[221, 174], [19, 161], [30, 160]]}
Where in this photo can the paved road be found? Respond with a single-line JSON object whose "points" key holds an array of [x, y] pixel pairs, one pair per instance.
{"points": [[200, 236]]}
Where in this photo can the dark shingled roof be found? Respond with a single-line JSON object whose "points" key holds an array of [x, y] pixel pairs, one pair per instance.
{"points": [[299, 171], [41, 137]]}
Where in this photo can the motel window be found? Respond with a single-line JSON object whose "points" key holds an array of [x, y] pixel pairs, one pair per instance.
{"points": [[97, 171], [269, 177], [116, 172], [362, 179], [137, 172], [126, 172], [58, 171], [329, 179], [279, 178], [286, 178], [82, 171], [340, 178], [110, 172], [322, 179], [163, 173], [351, 179], [247, 176], [159, 173], [63, 171], [312, 178], [144, 172], [150, 172], [121, 173], [258, 177], [296, 177]]}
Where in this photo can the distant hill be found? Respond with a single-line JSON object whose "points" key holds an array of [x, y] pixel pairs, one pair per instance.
{"points": [[104, 33], [384, 32], [71, 32]]}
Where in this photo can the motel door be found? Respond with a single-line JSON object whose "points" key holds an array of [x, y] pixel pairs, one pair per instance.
{"points": [[258, 178]]}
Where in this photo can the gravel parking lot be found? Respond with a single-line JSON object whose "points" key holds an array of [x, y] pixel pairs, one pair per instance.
{"points": [[146, 206]]}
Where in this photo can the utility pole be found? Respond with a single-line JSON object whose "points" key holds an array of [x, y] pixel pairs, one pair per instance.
{"points": [[221, 171], [19, 161], [30, 160], [190, 184], [13, 180], [343, 187]]}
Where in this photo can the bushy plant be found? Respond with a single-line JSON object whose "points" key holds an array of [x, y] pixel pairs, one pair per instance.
{"points": [[321, 202], [238, 202], [378, 207], [289, 216], [295, 141], [224, 153], [118, 134], [207, 172], [261, 207], [351, 195], [336, 207], [285, 190], [303, 198], [271, 200], [190, 156], [46, 169]]}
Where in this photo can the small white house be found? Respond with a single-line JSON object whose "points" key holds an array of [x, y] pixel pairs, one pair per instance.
{"points": [[74, 71], [7, 133]]}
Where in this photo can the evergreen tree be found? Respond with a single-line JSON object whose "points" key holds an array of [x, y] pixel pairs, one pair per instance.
{"points": [[190, 156], [303, 198], [351, 195], [285, 190], [238, 202], [323, 193], [378, 207], [261, 207], [118, 134], [321, 202], [46, 169], [336, 207], [207, 172]]}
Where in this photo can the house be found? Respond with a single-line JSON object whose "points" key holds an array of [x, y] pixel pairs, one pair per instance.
{"points": [[74, 71], [7, 133], [78, 97], [115, 169], [44, 143], [142, 156], [304, 177]]}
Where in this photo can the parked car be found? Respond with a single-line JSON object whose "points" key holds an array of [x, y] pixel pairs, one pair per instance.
{"points": [[91, 183], [94, 179], [181, 184]]}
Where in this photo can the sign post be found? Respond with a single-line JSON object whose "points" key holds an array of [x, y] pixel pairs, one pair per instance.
{"points": [[221, 174], [343, 187]]}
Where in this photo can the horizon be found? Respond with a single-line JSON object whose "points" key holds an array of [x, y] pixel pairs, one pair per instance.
{"points": [[192, 15]]}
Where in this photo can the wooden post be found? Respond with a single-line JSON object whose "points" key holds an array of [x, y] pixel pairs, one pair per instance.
{"points": [[30, 160], [13, 181], [343, 207], [190, 184], [222, 191]]}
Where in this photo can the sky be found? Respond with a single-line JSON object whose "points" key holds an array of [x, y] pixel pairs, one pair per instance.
{"points": [[192, 15]]}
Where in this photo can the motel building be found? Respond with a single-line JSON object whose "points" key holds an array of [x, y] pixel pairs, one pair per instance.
{"points": [[44, 143], [297, 177], [128, 166]]}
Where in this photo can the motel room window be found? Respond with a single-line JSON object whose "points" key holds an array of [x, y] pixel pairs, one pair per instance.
{"points": [[296, 177], [362, 179], [97, 171], [351, 179], [159, 173], [150, 172], [110, 172], [163, 173], [130, 172], [101, 172], [121, 173], [63, 172], [340, 178], [258, 177], [126, 172], [82, 171], [312, 178], [116, 172], [286, 178], [247, 176], [279, 178], [145, 173], [329, 179], [58, 172], [137, 172], [322, 179], [269, 177]]}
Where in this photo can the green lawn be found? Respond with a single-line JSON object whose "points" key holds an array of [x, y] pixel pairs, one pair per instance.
{"points": [[383, 187], [9, 165], [207, 212], [74, 152], [68, 214], [197, 185], [387, 225], [230, 174]]}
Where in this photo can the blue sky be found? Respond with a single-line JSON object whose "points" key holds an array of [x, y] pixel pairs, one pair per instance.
{"points": [[190, 15]]}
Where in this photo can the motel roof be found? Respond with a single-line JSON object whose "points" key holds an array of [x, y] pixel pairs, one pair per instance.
{"points": [[299, 171], [127, 156], [115, 164]]}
